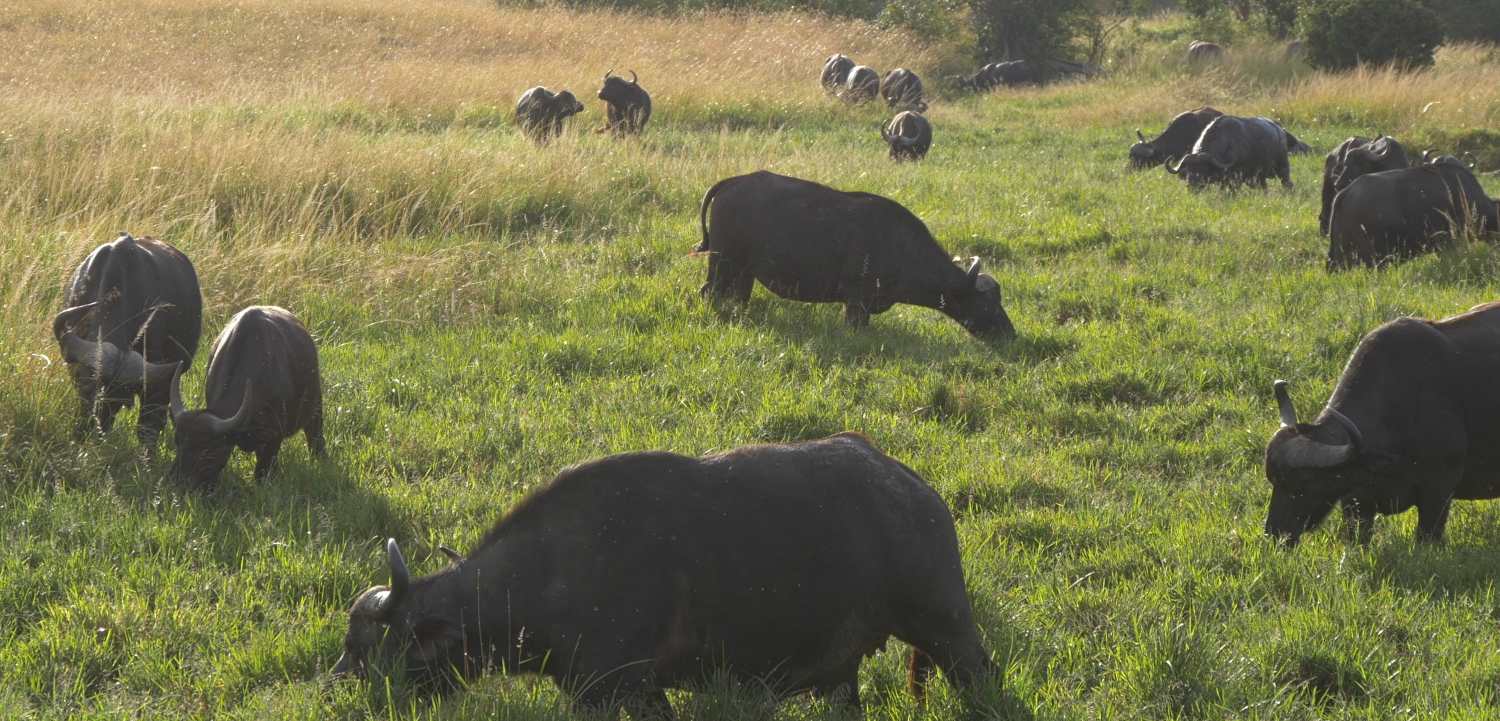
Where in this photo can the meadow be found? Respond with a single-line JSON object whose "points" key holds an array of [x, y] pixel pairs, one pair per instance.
{"points": [[489, 312]]}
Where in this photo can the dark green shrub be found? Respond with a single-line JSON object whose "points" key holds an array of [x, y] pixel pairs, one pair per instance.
{"points": [[1469, 19], [1031, 29], [1343, 33]]}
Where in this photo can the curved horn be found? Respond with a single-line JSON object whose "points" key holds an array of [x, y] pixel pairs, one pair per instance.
{"points": [[225, 426], [1299, 451], [974, 267], [608, 73], [1426, 156], [1175, 170], [62, 322], [1284, 402], [1470, 160], [134, 366], [1356, 438], [177, 407], [634, 80], [1364, 152], [1140, 136], [400, 577], [452, 555]]}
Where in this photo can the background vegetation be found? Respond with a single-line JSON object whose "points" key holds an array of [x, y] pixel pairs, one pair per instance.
{"points": [[489, 312]]}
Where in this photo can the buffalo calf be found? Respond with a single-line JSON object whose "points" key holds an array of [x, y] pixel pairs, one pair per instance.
{"points": [[540, 113]]}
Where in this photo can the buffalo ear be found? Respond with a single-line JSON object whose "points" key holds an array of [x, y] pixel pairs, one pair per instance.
{"points": [[433, 637]]}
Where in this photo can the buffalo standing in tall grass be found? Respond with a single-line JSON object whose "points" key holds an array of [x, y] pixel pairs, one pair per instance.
{"points": [[835, 73], [784, 565], [1398, 214], [1174, 142], [1352, 158], [1413, 421], [134, 314], [540, 113], [909, 135], [1235, 150], [901, 88], [809, 242], [1201, 52], [263, 386], [629, 105], [862, 86]]}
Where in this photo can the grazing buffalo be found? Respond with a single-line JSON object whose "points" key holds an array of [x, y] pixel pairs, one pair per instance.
{"points": [[836, 73], [1397, 214], [809, 242], [1414, 421], [1235, 150], [863, 84], [901, 88], [540, 113], [262, 387], [909, 135], [641, 572], [134, 312], [1022, 72], [1201, 52], [628, 104], [1352, 158], [1174, 142]]}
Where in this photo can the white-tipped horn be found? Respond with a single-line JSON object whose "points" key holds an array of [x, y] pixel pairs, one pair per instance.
{"points": [[1284, 403]]}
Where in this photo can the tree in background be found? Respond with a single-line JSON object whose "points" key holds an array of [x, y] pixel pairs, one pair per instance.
{"points": [[1030, 29], [1278, 17], [1341, 34], [1469, 19]]}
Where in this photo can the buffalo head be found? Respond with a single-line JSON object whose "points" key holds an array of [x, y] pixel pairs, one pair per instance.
{"points": [[101, 370], [392, 623], [202, 439], [619, 91], [566, 104], [1142, 153], [1199, 169], [977, 304], [1308, 467]]}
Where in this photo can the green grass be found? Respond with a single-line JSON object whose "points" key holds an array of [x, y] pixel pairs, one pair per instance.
{"points": [[488, 313]]}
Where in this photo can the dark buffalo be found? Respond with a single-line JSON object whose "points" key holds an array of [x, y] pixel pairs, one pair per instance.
{"points": [[540, 113], [909, 135], [1201, 52], [836, 73], [262, 387], [994, 75], [1235, 150], [1023, 72], [863, 84], [1397, 214], [1174, 142], [901, 88], [809, 242], [1352, 158], [646, 571], [628, 104], [134, 313], [1414, 421]]}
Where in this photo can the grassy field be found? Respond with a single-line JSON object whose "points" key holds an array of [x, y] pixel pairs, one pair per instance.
{"points": [[489, 312]]}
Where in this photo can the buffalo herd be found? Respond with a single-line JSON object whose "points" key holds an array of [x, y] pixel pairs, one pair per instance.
{"points": [[636, 573]]}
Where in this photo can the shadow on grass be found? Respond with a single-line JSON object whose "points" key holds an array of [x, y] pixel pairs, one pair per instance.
{"points": [[1440, 570]]}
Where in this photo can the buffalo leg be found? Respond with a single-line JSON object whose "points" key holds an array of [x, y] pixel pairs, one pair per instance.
{"points": [[843, 689], [314, 430], [265, 456], [649, 704], [1284, 171], [86, 421], [856, 314], [727, 280], [1432, 517], [1359, 522]]}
